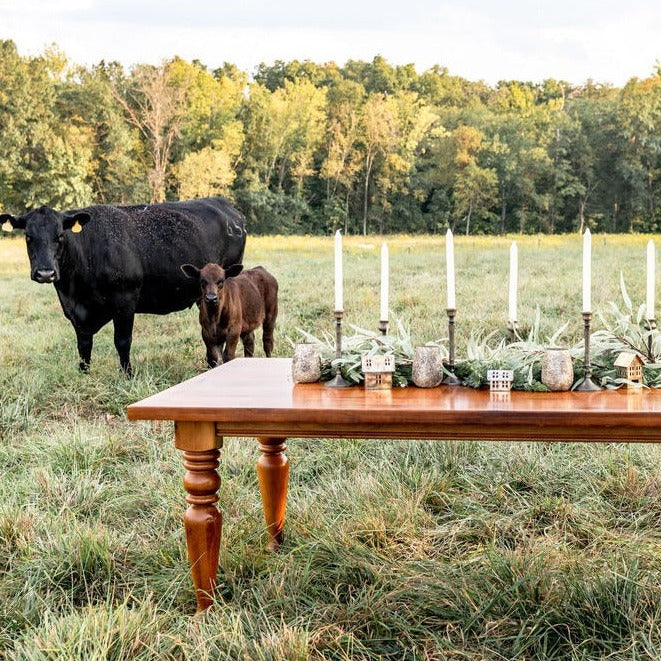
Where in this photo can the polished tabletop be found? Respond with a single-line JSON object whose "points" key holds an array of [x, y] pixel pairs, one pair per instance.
{"points": [[257, 397]]}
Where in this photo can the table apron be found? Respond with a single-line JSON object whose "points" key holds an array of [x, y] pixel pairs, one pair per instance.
{"points": [[570, 434]]}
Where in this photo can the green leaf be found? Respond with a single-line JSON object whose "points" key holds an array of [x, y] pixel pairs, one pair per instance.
{"points": [[625, 296]]}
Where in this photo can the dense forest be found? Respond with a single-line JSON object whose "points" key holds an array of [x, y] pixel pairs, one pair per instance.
{"points": [[307, 148]]}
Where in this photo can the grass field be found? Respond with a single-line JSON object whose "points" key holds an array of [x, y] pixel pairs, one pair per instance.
{"points": [[394, 550]]}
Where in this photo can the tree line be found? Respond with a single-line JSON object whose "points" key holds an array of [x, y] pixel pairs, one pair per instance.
{"points": [[302, 147]]}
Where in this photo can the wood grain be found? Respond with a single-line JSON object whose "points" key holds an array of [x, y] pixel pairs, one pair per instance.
{"points": [[256, 397], [273, 475], [202, 522]]}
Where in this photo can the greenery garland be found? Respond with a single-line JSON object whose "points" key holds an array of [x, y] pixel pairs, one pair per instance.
{"points": [[622, 331]]}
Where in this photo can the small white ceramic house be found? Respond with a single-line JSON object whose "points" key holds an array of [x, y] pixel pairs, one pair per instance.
{"points": [[500, 380], [629, 366], [378, 372]]}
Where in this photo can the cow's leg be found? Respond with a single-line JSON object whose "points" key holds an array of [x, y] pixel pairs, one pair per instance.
{"points": [[248, 340], [123, 323], [85, 341]]}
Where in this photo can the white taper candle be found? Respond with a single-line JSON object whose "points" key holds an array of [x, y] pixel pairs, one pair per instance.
{"points": [[587, 271], [514, 268], [649, 308], [449, 265], [384, 283], [339, 306]]}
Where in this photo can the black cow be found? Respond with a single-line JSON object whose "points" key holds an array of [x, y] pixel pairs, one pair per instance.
{"points": [[126, 260]]}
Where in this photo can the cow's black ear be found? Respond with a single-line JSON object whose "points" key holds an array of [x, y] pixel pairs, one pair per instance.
{"points": [[16, 223], [76, 221], [233, 271], [190, 271]]}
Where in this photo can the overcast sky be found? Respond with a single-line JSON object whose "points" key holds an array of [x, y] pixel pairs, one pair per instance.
{"points": [[608, 41]]}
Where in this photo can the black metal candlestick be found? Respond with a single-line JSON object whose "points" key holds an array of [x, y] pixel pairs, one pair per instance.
{"points": [[587, 384], [383, 326], [451, 379], [650, 325], [338, 381]]}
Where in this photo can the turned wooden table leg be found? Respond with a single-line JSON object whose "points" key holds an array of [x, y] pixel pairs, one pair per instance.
{"points": [[202, 520], [273, 475]]}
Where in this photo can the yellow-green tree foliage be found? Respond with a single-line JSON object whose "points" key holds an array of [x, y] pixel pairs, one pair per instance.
{"points": [[308, 147]]}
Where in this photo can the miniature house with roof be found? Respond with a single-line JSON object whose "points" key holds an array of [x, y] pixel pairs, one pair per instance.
{"points": [[500, 380], [378, 372], [629, 366]]}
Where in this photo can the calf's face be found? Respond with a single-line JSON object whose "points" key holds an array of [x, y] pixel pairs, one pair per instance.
{"points": [[45, 231], [212, 279]]}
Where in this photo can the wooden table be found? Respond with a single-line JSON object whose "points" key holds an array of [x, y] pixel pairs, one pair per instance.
{"points": [[256, 397]]}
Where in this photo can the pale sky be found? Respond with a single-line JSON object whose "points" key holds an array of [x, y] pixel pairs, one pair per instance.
{"points": [[608, 41]]}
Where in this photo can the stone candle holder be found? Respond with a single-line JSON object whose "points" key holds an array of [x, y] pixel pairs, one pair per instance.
{"points": [[557, 369], [306, 363], [427, 368]]}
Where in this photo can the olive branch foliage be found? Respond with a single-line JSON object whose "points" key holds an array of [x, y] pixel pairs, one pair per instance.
{"points": [[623, 329], [365, 342]]}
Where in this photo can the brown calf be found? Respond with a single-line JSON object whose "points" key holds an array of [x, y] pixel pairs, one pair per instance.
{"points": [[234, 303]]}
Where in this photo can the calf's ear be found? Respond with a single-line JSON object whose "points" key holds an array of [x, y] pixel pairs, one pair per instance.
{"points": [[233, 271], [76, 221], [10, 222], [190, 271]]}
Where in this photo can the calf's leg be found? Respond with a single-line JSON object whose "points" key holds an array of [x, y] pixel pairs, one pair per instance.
{"points": [[267, 339], [230, 346], [213, 355], [248, 340], [268, 327], [214, 345]]}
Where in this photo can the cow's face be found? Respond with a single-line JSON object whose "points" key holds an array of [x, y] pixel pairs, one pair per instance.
{"points": [[45, 236], [212, 279]]}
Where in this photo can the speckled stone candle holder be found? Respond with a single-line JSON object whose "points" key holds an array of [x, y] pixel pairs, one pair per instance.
{"points": [[306, 363], [557, 369], [427, 368]]}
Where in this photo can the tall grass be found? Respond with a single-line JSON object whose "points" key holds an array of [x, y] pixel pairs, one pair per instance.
{"points": [[394, 550]]}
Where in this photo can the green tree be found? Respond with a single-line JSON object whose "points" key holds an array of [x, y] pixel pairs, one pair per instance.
{"points": [[475, 192], [118, 164], [283, 130], [591, 136], [639, 116], [475, 187], [155, 102], [213, 101], [517, 153], [342, 163], [394, 178], [378, 136], [42, 161], [204, 173]]}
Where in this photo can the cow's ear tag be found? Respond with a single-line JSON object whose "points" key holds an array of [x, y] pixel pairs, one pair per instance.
{"points": [[7, 226], [76, 227]]}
